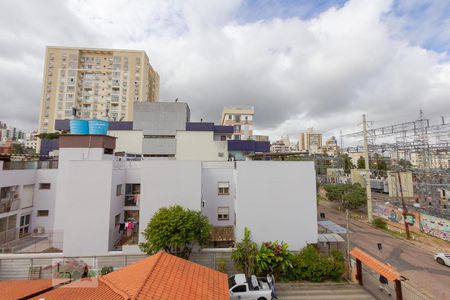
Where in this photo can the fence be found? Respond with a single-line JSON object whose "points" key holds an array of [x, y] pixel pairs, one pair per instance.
{"points": [[18, 266], [371, 284], [32, 164]]}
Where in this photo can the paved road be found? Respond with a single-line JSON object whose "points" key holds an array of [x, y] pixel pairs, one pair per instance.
{"points": [[412, 261]]}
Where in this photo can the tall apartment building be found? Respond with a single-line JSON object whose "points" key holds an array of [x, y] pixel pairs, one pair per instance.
{"points": [[310, 140], [241, 118], [98, 83]]}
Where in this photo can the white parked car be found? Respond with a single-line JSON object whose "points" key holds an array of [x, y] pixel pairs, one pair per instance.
{"points": [[443, 258], [255, 288]]}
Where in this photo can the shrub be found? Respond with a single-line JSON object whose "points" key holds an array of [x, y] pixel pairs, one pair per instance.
{"points": [[273, 258], [310, 265], [107, 269], [221, 265], [380, 223], [245, 253]]}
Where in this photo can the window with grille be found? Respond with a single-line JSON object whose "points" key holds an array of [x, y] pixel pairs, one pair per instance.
{"points": [[224, 188], [223, 213]]}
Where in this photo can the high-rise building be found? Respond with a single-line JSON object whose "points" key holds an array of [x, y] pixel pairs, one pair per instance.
{"points": [[310, 140], [241, 118], [95, 83]]}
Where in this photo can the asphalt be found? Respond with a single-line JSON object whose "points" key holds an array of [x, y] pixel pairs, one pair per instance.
{"points": [[412, 259]]}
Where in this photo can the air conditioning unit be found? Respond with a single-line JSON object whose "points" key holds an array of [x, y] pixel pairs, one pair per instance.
{"points": [[39, 230]]}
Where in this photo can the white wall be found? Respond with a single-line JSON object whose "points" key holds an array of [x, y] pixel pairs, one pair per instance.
{"points": [[45, 200], [129, 141], [200, 145], [117, 204], [168, 182], [83, 207], [277, 201], [213, 173]]}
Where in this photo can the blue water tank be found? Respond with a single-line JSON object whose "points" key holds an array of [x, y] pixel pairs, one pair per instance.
{"points": [[98, 127], [79, 126]]}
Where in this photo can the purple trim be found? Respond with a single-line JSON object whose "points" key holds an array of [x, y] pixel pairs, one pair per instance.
{"points": [[199, 126], [223, 129], [251, 146]]}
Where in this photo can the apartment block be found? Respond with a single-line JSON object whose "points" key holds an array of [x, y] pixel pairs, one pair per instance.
{"points": [[241, 118], [310, 140], [97, 83], [94, 203]]}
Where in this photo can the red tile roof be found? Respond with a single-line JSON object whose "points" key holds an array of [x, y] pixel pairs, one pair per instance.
{"points": [[381, 268], [15, 289], [160, 276]]}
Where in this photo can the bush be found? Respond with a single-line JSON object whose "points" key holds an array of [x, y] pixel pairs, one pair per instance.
{"points": [[107, 269], [245, 253], [221, 265], [273, 258], [380, 223], [310, 265]]}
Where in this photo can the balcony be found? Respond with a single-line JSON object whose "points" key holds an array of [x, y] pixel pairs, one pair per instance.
{"points": [[132, 200]]}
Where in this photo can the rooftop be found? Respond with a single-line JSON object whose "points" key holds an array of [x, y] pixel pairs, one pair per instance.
{"points": [[160, 276]]}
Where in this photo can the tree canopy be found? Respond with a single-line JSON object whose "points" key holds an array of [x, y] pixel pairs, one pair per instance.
{"points": [[348, 195], [175, 230]]}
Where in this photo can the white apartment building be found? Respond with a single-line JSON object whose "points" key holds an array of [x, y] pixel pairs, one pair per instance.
{"points": [[89, 198], [98, 83]]}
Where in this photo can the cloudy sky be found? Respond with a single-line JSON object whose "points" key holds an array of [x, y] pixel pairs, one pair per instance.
{"points": [[300, 63]]}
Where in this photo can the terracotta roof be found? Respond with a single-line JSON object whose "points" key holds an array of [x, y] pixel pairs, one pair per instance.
{"points": [[16, 289], [160, 276], [381, 268]]}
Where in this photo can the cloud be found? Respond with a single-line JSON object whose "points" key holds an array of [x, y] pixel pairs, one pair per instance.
{"points": [[323, 71]]}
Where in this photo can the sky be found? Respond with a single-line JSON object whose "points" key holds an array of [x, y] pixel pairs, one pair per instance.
{"points": [[300, 63]]}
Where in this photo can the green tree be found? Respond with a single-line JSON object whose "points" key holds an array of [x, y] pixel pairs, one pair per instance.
{"points": [[17, 149], [244, 255], [348, 195], [406, 164], [175, 230], [345, 162], [361, 164]]}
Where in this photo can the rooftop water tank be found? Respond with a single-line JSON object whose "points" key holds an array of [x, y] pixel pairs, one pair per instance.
{"points": [[79, 126], [98, 127]]}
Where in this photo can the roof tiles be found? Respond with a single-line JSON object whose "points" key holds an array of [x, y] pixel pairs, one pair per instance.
{"points": [[381, 268]]}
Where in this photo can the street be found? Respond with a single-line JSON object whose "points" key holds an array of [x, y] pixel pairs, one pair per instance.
{"points": [[410, 258]]}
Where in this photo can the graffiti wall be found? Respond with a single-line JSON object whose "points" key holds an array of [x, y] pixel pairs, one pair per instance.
{"points": [[395, 215], [435, 226], [431, 225]]}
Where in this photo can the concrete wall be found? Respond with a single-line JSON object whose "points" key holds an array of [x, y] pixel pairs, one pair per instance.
{"points": [[200, 145], [277, 201], [117, 204], [129, 141], [168, 182], [85, 191], [213, 173], [160, 119], [45, 200]]}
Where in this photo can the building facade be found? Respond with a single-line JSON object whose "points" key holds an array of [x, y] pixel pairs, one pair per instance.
{"points": [[91, 196], [98, 83], [241, 118], [310, 140]]}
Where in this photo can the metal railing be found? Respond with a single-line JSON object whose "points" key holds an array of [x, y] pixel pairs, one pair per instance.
{"points": [[30, 165]]}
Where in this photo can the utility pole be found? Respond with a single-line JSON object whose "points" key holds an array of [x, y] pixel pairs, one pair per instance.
{"points": [[366, 159], [349, 262], [405, 210]]}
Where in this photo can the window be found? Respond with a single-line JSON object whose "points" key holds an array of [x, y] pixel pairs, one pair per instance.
{"points": [[223, 213], [44, 186], [42, 213], [117, 220], [119, 190], [230, 117], [239, 289], [24, 228], [237, 128], [223, 137], [224, 188]]}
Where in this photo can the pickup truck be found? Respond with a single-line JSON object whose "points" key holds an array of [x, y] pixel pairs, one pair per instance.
{"points": [[255, 288]]}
